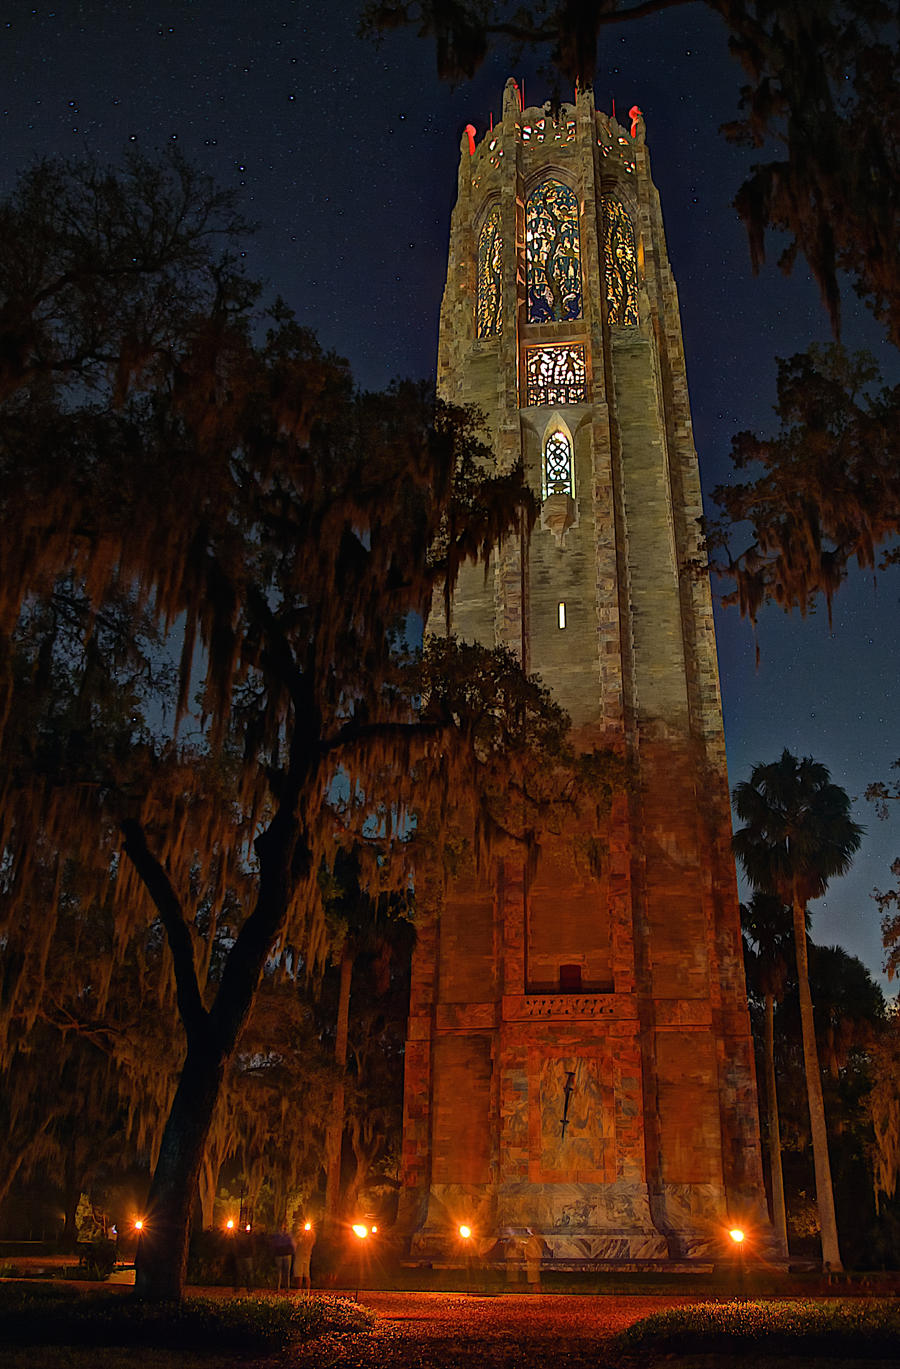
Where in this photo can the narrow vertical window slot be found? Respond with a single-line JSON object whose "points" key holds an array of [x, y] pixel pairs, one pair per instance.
{"points": [[561, 614]]}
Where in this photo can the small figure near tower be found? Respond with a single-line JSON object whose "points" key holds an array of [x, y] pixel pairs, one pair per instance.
{"points": [[579, 1063]]}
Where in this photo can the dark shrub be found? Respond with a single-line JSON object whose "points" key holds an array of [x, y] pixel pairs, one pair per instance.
{"points": [[96, 1259], [256, 1323]]}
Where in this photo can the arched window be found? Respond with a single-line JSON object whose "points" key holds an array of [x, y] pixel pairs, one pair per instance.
{"points": [[488, 318], [558, 466], [621, 263], [552, 253]]}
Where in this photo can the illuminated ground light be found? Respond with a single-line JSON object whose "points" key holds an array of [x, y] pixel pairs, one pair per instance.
{"points": [[465, 1232], [229, 1225], [362, 1231], [737, 1235], [139, 1224]]}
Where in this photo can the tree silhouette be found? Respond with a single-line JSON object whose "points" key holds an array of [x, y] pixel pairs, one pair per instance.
{"points": [[358, 921], [798, 835], [767, 926], [236, 502], [822, 494]]}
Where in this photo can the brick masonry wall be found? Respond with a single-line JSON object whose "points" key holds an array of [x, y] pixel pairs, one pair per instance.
{"points": [[619, 1121]]}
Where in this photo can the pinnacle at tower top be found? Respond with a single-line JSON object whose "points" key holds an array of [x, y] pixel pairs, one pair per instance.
{"points": [[578, 1060]]}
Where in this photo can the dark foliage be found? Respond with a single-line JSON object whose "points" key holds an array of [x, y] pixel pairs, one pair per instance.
{"points": [[822, 494], [861, 1328], [249, 1324]]}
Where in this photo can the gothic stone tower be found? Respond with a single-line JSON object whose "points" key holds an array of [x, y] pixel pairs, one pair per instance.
{"points": [[578, 1058]]}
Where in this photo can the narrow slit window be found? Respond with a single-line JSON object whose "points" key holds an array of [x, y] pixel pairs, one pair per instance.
{"points": [[621, 264], [561, 614], [488, 316]]}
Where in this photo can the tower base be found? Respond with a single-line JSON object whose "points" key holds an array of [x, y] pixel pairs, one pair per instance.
{"points": [[580, 1226]]}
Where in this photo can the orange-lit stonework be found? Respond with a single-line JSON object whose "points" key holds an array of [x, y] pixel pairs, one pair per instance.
{"points": [[578, 1059]]}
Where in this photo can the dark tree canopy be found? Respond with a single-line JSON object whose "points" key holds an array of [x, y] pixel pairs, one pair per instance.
{"points": [[857, 1050], [212, 547], [884, 794], [820, 495], [797, 833]]}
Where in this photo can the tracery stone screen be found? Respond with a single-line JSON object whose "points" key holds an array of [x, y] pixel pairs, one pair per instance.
{"points": [[558, 464], [555, 375], [552, 253], [489, 319], [621, 263]]}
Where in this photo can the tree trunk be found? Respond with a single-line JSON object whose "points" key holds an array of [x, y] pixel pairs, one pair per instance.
{"points": [[161, 1260], [831, 1255], [779, 1217], [71, 1194], [284, 859], [334, 1134]]}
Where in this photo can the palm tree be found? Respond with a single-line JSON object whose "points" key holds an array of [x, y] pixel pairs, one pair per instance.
{"points": [[798, 835], [766, 924]]}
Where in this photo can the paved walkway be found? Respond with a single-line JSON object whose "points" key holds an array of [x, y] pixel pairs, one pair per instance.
{"points": [[512, 1331]]}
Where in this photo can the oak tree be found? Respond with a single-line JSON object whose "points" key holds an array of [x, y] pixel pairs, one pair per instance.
{"points": [[270, 532]]}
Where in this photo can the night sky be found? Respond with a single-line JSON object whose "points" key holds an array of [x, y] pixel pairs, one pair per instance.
{"points": [[346, 155]]}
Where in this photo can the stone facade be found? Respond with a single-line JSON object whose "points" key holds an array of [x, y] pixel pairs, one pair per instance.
{"points": [[578, 1058]]}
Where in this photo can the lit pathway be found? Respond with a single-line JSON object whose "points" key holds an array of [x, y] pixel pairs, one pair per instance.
{"points": [[438, 1330]]}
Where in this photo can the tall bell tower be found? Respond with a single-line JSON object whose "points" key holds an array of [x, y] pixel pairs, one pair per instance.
{"points": [[579, 1059]]}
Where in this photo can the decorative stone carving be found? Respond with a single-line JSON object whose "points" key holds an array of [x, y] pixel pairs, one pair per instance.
{"points": [[558, 514]]}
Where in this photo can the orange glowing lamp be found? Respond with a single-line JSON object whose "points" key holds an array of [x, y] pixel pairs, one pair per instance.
{"points": [[736, 1235], [465, 1232], [360, 1230], [307, 1226], [139, 1224], [229, 1225]]}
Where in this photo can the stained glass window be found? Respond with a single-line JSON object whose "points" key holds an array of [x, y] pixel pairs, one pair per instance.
{"points": [[555, 375], [558, 464], [621, 263], [552, 253], [490, 255]]}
